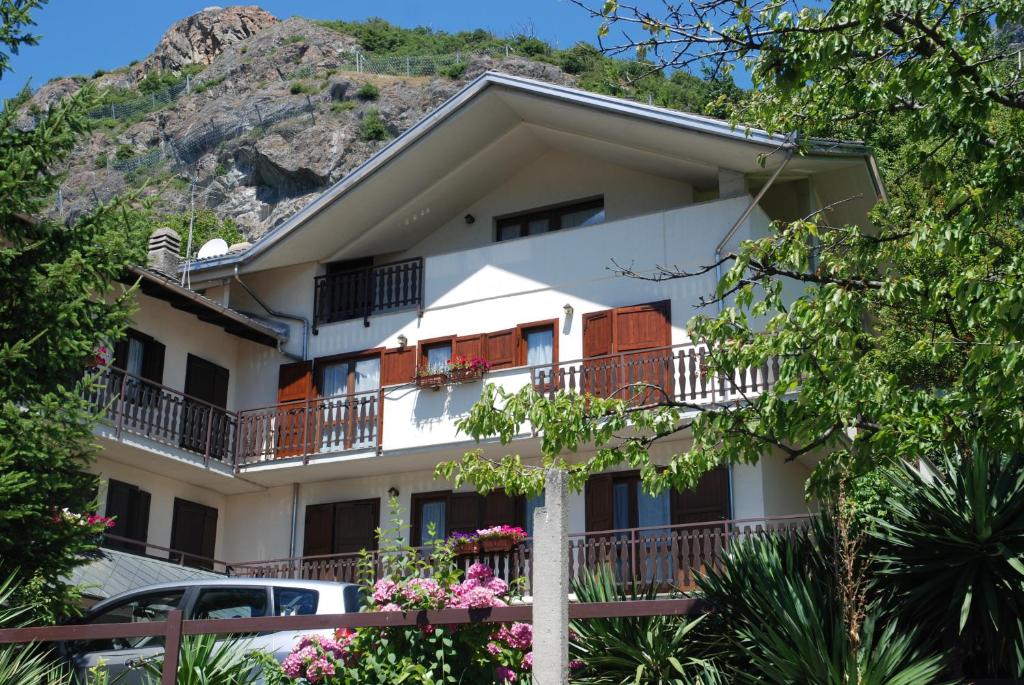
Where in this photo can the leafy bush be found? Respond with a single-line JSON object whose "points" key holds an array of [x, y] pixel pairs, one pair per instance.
{"points": [[208, 660], [784, 616], [950, 553], [299, 87], [100, 162], [98, 73], [368, 91], [343, 106], [205, 226], [621, 651], [124, 152], [24, 664], [297, 38], [454, 71], [372, 127]]}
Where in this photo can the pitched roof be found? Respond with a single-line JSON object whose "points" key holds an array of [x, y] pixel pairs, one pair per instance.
{"points": [[616, 114], [114, 572]]}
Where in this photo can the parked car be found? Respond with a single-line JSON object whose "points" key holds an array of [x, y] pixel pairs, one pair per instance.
{"points": [[204, 599]]}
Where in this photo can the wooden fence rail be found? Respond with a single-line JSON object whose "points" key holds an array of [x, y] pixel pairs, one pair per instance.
{"points": [[175, 626]]}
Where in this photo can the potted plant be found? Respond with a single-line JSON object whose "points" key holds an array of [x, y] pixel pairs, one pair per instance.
{"points": [[500, 538], [463, 370], [464, 544], [433, 378]]}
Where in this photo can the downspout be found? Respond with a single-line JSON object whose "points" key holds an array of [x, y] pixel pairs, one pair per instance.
{"points": [[790, 150], [295, 520], [301, 319]]}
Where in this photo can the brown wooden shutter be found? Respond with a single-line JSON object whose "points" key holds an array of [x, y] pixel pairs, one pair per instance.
{"points": [[709, 501], [398, 366], [209, 544], [138, 516], [294, 383], [355, 526], [152, 361], [643, 327], [599, 377], [318, 535], [120, 360], [194, 530], [599, 503], [499, 508], [500, 349], [463, 512], [469, 346]]}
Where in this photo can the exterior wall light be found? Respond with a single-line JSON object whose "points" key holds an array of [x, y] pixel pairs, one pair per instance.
{"points": [[568, 310], [402, 341], [393, 491], [470, 218]]}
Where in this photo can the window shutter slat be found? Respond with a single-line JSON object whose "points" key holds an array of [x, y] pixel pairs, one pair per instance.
{"points": [[153, 361], [500, 349], [599, 503], [398, 366]]}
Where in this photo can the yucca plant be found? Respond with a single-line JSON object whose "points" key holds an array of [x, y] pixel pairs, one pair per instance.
{"points": [[778, 604], [24, 664], [209, 660], [617, 651], [951, 556]]}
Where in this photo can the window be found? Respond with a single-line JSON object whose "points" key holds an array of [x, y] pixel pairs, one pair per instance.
{"points": [[535, 222], [617, 501], [348, 410], [208, 383], [194, 532], [295, 601], [451, 512], [129, 507], [219, 603], [435, 354], [143, 609], [341, 527], [140, 355]]}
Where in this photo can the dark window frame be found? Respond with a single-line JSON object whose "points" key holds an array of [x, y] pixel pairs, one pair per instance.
{"points": [[553, 214]]}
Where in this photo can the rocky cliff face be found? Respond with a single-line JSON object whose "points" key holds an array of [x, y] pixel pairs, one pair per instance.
{"points": [[276, 115]]}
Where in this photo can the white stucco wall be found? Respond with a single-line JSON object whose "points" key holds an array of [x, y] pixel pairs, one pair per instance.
{"points": [[163, 491]]}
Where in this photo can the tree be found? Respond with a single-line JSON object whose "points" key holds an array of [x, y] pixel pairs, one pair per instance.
{"points": [[908, 337], [58, 307]]}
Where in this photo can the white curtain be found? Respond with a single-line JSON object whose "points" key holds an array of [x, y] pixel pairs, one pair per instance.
{"points": [[540, 347], [432, 513]]}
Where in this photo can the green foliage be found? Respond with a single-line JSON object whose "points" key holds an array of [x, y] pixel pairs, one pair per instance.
{"points": [[781, 609], [159, 80], [15, 20], [24, 664], [206, 225], [124, 152], [368, 91], [297, 38], [208, 660], [453, 71], [300, 87], [208, 84], [950, 551], [100, 162], [62, 302], [220, 169], [23, 96], [343, 106], [622, 651], [372, 126]]}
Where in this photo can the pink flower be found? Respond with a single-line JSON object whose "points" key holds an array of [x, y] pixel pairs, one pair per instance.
{"points": [[527, 664], [517, 636], [428, 629], [319, 669], [493, 649], [497, 586], [478, 598], [384, 590], [481, 572], [505, 674], [576, 665], [391, 606], [423, 588]]}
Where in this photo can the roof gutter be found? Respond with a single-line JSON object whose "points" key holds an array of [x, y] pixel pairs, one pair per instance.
{"points": [[281, 315], [790, 151]]}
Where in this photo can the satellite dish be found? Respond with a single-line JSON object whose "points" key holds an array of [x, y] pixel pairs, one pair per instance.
{"points": [[213, 248]]}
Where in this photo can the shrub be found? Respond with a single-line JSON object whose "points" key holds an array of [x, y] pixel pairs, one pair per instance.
{"points": [[297, 38], [949, 552], [100, 162], [124, 152], [343, 106], [24, 664], [299, 87], [786, 615], [208, 660], [368, 91], [453, 71], [220, 169], [98, 73], [621, 651], [372, 127]]}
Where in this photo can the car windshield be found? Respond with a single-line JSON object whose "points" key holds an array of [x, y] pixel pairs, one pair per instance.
{"points": [[141, 609]]}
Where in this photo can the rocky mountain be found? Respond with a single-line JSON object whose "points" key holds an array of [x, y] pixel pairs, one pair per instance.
{"points": [[270, 113]]}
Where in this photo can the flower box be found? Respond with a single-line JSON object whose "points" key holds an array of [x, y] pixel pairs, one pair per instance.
{"points": [[434, 381], [498, 544], [465, 374], [466, 548]]}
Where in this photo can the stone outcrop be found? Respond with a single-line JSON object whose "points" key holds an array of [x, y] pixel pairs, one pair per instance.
{"points": [[263, 172], [200, 38]]}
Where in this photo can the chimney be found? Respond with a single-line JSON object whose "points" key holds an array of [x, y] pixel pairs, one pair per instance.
{"points": [[164, 246]]}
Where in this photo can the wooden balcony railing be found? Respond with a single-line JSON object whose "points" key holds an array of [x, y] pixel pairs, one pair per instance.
{"points": [[667, 555], [359, 293], [302, 428], [679, 373], [135, 405]]}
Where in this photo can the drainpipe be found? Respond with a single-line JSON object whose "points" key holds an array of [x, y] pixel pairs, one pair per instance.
{"points": [[295, 520], [790, 150], [301, 319]]}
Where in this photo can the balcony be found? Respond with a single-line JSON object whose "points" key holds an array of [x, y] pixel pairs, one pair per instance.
{"points": [[303, 428], [670, 556], [132, 404], [361, 292], [355, 422]]}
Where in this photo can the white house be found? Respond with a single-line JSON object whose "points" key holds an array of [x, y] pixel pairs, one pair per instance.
{"points": [[269, 410]]}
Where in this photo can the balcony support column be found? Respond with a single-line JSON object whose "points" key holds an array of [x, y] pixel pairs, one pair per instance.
{"points": [[551, 583]]}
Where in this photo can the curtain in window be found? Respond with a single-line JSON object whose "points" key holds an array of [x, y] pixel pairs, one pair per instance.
{"points": [[540, 347], [432, 513], [653, 511], [438, 357]]}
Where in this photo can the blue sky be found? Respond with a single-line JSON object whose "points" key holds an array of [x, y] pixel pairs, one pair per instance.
{"points": [[79, 37]]}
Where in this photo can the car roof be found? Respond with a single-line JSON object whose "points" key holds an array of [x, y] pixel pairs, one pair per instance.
{"points": [[328, 586]]}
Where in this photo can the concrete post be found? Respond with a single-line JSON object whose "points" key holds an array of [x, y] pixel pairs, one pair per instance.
{"points": [[551, 583]]}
